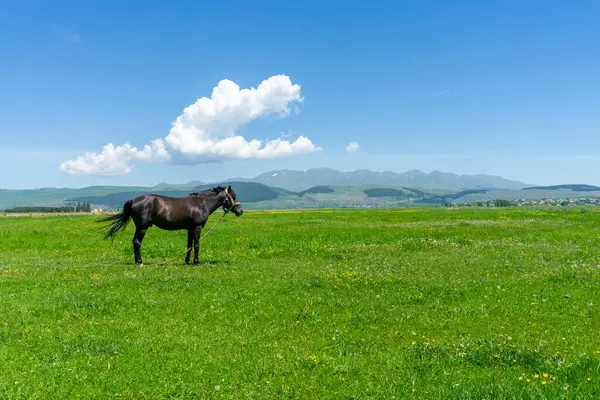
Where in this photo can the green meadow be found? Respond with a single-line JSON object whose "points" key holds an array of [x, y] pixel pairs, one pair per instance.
{"points": [[332, 304]]}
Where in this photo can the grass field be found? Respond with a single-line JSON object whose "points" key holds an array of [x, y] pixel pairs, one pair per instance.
{"points": [[437, 303]]}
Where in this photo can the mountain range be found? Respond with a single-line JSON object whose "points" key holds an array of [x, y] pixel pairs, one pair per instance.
{"points": [[316, 188], [301, 180]]}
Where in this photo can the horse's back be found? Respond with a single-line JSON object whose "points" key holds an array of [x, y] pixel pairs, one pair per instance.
{"points": [[154, 198], [170, 213]]}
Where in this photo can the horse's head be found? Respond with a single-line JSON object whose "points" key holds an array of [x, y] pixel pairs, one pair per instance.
{"points": [[231, 203]]}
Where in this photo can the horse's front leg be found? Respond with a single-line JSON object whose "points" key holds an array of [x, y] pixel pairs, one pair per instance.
{"points": [[190, 242], [197, 231]]}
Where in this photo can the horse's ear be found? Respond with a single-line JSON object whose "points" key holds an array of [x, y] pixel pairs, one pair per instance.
{"points": [[229, 188]]}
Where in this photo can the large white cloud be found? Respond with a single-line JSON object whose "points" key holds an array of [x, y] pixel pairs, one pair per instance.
{"points": [[206, 131]]}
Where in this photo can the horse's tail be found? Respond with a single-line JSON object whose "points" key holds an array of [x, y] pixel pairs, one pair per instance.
{"points": [[118, 221]]}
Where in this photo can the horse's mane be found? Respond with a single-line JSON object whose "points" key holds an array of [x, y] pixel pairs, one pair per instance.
{"points": [[216, 189]]}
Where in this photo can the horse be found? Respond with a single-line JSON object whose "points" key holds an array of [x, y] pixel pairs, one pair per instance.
{"points": [[172, 213]]}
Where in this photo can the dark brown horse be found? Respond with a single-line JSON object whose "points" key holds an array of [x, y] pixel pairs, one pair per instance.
{"points": [[173, 213]]}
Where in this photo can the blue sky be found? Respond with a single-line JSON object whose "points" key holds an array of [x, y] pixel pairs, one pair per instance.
{"points": [[509, 88]]}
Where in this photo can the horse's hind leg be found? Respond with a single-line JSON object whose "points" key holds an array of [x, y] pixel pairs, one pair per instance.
{"points": [[137, 244]]}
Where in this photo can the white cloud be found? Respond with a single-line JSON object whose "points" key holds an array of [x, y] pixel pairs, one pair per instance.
{"points": [[352, 147], [115, 160], [206, 131]]}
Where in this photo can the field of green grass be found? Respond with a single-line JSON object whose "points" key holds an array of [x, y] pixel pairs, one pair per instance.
{"points": [[438, 303]]}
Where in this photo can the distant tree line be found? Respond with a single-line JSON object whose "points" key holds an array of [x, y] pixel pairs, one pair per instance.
{"points": [[503, 203], [493, 203], [80, 207], [83, 207]]}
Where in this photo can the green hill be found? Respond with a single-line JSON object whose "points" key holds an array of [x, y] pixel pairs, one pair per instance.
{"points": [[56, 196], [575, 188], [385, 192], [317, 190], [247, 192]]}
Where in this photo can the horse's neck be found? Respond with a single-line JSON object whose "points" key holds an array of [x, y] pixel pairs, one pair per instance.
{"points": [[213, 203]]}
